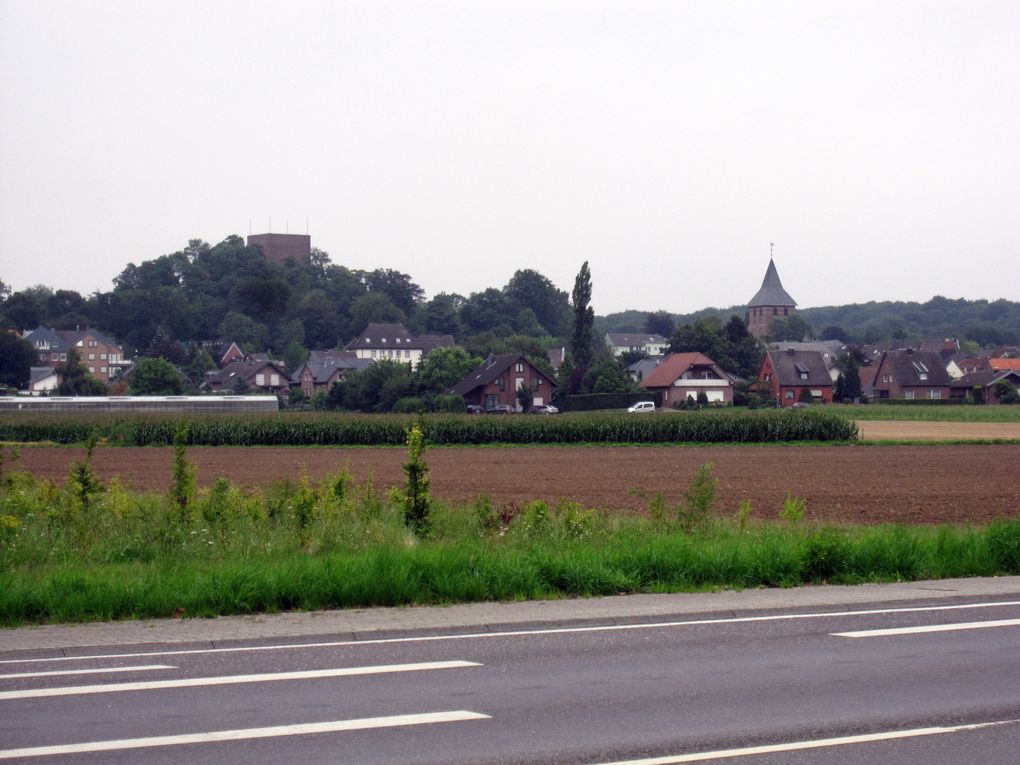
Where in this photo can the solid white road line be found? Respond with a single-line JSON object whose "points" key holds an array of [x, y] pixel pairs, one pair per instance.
{"points": [[99, 671], [793, 746], [364, 723], [232, 679], [929, 628], [521, 633]]}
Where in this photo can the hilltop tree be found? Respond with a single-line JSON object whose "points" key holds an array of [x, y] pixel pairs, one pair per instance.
{"points": [[659, 323], [848, 383]]}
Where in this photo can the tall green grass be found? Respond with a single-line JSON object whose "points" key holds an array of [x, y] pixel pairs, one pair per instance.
{"points": [[965, 413], [336, 544]]}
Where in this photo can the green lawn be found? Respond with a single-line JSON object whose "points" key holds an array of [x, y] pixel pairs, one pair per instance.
{"points": [[962, 413]]}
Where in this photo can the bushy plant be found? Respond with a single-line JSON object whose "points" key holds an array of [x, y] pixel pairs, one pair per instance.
{"points": [[416, 496]]}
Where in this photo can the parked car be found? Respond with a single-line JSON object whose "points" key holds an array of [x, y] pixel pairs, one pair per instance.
{"points": [[500, 409], [642, 407], [544, 409], [474, 409]]}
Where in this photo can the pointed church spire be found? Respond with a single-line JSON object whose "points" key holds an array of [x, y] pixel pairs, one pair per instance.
{"points": [[772, 292]]}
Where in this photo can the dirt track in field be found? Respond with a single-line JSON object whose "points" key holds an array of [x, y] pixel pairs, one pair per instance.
{"points": [[892, 430], [861, 484]]}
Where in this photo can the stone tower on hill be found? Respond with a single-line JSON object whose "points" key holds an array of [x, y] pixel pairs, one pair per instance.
{"points": [[770, 302], [279, 247]]}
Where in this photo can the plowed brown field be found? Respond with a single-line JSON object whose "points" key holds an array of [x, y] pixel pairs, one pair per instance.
{"points": [[859, 484]]}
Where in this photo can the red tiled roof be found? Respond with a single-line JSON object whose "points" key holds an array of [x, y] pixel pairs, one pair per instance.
{"points": [[672, 367], [1001, 365]]}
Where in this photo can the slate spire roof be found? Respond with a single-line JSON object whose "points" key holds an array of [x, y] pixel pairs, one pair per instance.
{"points": [[772, 292]]}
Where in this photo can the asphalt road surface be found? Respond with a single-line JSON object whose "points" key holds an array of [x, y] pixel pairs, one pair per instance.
{"points": [[897, 682]]}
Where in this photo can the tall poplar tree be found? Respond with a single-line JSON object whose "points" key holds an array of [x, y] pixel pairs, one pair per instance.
{"points": [[581, 340]]}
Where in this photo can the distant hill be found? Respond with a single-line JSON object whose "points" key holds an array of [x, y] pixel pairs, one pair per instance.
{"points": [[984, 322]]}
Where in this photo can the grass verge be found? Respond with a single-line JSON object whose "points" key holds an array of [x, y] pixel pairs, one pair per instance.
{"points": [[88, 551]]}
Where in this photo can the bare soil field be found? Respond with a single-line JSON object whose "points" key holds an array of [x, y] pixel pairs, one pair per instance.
{"points": [[919, 430], [853, 484]]}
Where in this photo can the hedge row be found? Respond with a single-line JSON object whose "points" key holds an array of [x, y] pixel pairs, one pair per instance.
{"points": [[326, 429]]}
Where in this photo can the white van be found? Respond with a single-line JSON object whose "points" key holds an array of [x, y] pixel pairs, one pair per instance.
{"points": [[642, 406]]}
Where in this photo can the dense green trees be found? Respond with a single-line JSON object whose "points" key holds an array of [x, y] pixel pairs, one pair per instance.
{"points": [[730, 346], [16, 359], [75, 379], [155, 377]]}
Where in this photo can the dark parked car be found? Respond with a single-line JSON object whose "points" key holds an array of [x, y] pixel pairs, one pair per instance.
{"points": [[501, 409]]}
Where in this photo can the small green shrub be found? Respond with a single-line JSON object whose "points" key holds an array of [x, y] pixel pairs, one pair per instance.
{"points": [[793, 509]]}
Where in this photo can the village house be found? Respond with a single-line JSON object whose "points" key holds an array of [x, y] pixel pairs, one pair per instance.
{"points": [[985, 381], [394, 342], [682, 376], [911, 374], [793, 376], [100, 355], [324, 368], [649, 344], [497, 379], [255, 373]]}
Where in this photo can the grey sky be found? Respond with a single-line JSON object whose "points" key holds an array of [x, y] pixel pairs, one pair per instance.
{"points": [[667, 143]]}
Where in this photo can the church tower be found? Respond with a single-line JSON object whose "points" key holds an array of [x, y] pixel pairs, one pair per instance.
{"points": [[770, 302]]}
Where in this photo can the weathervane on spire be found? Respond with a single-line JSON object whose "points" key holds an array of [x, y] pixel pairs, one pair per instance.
{"points": [[771, 245]]}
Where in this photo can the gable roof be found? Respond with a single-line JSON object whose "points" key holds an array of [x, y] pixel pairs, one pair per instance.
{"points": [[246, 370], [675, 364], [490, 369], [986, 379], [772, 292], [789, 365], [382, 336], [908, 365], [1003, 364], [323, 367]]}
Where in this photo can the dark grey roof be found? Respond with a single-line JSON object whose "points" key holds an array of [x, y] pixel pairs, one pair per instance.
{"points": [[37, 374], [382, 336], [790, 364], [489, 370], [908, 366], [325, 366], [985, 379], [772, 292]]}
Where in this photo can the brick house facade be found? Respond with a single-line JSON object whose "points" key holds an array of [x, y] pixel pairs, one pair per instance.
{"points": [[497, 379], [910, 374], [683, 375], [792, 375]]}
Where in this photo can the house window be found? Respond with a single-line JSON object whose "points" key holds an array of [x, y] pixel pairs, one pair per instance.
{"points": [[260, 379], [92, 370], [934, 393], [908, 394], [373, 353], [803, 375], [923, 376], [55, 356], [501, 382], [407, 353], [537, 383], [887, 378], [93, 343], [102, 357], [102, 370], [63, 357], [519, 367], [789, 395], [92, 357], [274, 379]]}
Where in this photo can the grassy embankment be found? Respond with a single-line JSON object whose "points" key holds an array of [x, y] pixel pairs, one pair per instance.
{"points": [[93, 552], [961, 413]]}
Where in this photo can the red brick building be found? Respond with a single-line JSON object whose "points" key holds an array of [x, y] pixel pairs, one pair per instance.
{"points": [[497, 379], [683, 375], [792, 375], [279, 247], [909, 374]]}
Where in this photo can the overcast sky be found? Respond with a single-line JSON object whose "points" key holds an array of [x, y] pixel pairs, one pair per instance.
{"points": [[667, 143]]}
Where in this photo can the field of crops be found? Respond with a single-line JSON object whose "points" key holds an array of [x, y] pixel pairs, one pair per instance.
{"points": [[324, 429]]}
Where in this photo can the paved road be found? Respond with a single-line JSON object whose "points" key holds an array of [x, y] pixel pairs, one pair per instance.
{"points": [[597, 681]]}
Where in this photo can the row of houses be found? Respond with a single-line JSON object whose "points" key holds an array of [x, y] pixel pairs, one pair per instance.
{"points": [[793, 373]]}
